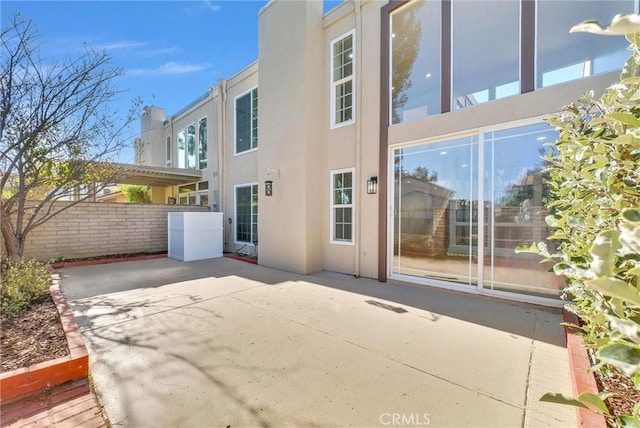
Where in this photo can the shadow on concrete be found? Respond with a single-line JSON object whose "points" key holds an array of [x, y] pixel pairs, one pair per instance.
{"points": [[108, 331], [521, 319], [513, 317], [94, 280]]}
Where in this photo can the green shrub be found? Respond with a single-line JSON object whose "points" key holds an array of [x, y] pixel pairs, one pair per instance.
{"points": [[23, 283], [594, 177], [136, 194]]}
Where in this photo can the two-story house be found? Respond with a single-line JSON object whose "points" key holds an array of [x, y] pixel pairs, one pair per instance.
{"points": [[395, 139]]}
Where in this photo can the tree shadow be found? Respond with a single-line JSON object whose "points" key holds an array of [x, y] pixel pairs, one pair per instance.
{"points": [[106, 330], [521, 319]]}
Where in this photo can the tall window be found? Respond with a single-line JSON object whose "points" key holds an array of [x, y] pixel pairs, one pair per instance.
{"points": [[181, 148], [561, 56], [448, 55], [247, 213], [247, 121], [416, 34], [342, 192], [191, 146], [202, 143], [480, 71], [168, 151], [342, 68]]}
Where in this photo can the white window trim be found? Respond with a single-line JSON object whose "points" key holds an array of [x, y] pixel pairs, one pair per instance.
{"points": [[235, 212], [332, 239], [235, 125], [332, 84], [184, 155], [198, 142]]}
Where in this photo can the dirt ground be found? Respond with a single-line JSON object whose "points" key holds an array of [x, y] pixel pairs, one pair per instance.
{"points": [[32, 337]]}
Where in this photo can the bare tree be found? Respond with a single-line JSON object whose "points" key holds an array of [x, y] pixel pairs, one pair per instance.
{"points": [[58, 131]]}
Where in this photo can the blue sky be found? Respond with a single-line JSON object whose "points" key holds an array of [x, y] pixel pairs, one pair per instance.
{"points": [[171, 51]]}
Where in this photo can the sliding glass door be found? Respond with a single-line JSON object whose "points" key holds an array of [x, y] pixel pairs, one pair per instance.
{"points": [[435, 210], [460, 201]]}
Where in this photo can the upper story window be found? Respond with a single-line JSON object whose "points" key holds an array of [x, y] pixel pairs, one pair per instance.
{"points": [[167, 150], [486, 66], [561, 56], [342, 192], [448, 55], [202, 143], [247, 121], [181, 148], [342, 81], [416, 45], [191, 146]]}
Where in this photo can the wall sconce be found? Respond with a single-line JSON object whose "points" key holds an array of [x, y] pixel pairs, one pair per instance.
{"points": [[372, 185], [268, 188]]}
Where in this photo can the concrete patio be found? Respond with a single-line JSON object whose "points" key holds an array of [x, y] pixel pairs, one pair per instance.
{"points": [[226, 343]]}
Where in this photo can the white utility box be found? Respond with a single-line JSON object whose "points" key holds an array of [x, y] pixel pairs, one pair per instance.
{"points": [[195, 236]]}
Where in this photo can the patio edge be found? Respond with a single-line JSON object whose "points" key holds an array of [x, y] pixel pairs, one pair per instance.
{"points": [[60, 265], [25, 381], [582, 378]]}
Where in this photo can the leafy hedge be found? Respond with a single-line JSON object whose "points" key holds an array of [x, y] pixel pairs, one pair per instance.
{"points": [[23, 283], [595, 176]]}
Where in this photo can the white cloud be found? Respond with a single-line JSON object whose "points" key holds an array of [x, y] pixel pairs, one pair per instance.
{"points": [[124, 44], [211, 6], [168, 69]]}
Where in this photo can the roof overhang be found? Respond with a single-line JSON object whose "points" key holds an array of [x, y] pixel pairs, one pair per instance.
{"points": [[156, 175]]}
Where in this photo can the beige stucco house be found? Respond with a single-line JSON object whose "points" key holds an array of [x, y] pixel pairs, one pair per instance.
{"points": [[393, 139]]}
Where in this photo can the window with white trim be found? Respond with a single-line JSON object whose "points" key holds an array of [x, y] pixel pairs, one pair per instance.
{"points": [[194, 194], [342, 81], [191, 146], [202, 143], [246, 210], [181, 148], [342, 207], [247, 121]]}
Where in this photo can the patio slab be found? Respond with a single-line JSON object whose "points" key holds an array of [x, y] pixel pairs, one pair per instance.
{"points": [[225, 343]]}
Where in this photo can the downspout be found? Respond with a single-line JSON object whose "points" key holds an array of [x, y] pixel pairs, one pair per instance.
{"points": [[357, 4], [222, 134], [174, 140]]}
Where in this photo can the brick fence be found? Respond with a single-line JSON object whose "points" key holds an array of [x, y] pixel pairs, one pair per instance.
{"points": [[100, 228]]}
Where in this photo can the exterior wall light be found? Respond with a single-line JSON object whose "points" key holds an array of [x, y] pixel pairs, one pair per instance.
{"points": [[372, 185], [268, 188]]}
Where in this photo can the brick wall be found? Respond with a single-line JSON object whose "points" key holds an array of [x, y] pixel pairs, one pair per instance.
{"points": [[99, 228]]}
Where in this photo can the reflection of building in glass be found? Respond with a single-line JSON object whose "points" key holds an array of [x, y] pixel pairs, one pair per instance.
{"points": [[423, 218]]}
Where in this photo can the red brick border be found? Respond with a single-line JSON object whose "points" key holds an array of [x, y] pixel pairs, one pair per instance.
{"points": [[581, 376], [107, 261], [29, 380], [241, 258]]}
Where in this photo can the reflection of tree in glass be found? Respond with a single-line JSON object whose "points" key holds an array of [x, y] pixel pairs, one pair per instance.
{"points": [[191, 146], [407, 32], [422, 173], [532, 186]]}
